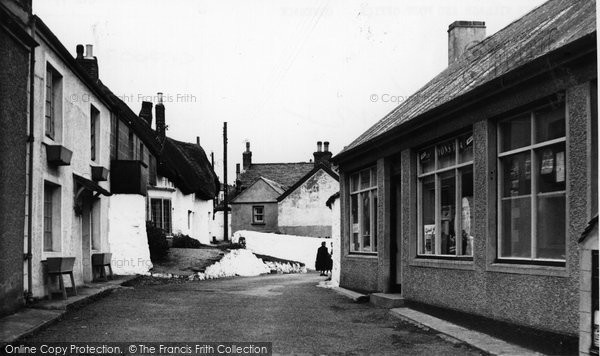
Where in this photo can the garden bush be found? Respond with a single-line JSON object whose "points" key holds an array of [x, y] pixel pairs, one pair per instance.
{"points": [[184, 241], [157, 242]]}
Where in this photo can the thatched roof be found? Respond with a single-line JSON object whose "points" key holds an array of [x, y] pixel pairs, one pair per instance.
{"points": [[187, 166]]}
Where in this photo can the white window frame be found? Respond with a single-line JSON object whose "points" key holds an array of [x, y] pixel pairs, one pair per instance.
{"points": [[255, 214], [457, 167], [531, 148], [371, 190]]}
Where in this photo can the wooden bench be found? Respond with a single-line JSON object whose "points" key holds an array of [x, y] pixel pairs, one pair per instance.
{"points": [[99, 262], [58, 267]]}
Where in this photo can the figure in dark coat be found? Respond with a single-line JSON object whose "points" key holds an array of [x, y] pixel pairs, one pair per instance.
{"points": [[323, 261]]}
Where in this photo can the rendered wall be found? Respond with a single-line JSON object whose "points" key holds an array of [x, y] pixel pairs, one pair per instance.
{"points": [[335, 237], [241, 217], [304, 212], [296, 248], [14, 74], [217, 225], [127, 236]]}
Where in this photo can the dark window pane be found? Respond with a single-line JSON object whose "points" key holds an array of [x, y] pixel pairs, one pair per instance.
{"points": [[515, 133], [427, 160], [448, 213], [446, 153], [374, 193], [354, 183], [366, 220], [516, 227], [517, 174], [365, 179], [428, 215], [550, 123], [467, 210], [551, 227], [465, 148]]}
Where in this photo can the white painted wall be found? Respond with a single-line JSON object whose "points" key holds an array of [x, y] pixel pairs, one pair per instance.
{"points": [[200, 225], [296, 248], [305, 206], [127, 235], [336, 240], [72, 132], [217, 225]]}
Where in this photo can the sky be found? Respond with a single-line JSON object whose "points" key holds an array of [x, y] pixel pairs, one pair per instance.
{"points": [[283, 74]]}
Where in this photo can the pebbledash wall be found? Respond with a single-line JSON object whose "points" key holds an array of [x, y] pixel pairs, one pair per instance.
{"points": [[542, 297], [72, 131], [303, 212], [189, 215]]}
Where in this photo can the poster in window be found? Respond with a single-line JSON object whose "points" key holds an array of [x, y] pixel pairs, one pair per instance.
{"points": [[547, 162], [560, 167], [429, 234]]}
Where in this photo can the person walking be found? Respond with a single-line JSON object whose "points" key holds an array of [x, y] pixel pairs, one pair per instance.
{"points": [[322, 263]]}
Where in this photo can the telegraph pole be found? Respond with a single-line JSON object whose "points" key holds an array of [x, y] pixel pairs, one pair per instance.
{"points": [[225, 201]]}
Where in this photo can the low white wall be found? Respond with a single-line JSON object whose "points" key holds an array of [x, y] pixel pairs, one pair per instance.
{"points": [[296, 248], [127, 234]]}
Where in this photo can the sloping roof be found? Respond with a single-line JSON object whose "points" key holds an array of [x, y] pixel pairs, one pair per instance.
{"points": [[187, 166], [541, 31], [276, 186], [137, 124], [306, 177], [285, 174]]}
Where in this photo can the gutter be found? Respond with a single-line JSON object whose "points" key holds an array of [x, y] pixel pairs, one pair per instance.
{"points": [[30, 140]]}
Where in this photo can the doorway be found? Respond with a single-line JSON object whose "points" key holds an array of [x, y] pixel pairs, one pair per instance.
{"points": [[396, 234]]}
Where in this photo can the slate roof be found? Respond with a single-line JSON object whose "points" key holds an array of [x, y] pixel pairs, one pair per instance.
{"points": [[285, 174], [187, 166], [541, 31]]}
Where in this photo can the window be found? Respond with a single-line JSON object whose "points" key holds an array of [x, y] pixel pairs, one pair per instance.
{"points": [[189, 220], [445, 198], [532, 182], [51, 217], [94, 116], [363, 211], [160, 214], [52, 101], [258, 214], [131, 146]]}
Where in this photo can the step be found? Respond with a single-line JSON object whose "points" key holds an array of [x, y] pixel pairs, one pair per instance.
{"points": [[387, 300]]}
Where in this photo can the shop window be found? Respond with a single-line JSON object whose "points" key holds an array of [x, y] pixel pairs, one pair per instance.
{"points": [[532, 185], [363, 211], [445, 198], [160, 214], [258, 214]]}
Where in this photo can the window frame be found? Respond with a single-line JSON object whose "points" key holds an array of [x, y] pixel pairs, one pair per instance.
{"points": [[163, 217], [372, 191], [94, 122], [531, 148], [255, 214], [51, 217], [436, 172], [52, 102]]}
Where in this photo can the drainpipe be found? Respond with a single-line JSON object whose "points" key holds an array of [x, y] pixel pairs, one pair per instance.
{"points": [[29, 256]]}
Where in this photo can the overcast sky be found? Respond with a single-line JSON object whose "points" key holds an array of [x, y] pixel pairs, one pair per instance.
{"points": [[283, 74]]}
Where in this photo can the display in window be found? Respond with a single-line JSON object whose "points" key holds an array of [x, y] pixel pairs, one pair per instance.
{"points": [[429, 237], [466, 219], [547, 162], [560, 167]]}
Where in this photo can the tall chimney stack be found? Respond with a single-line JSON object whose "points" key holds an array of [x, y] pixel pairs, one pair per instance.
{"points": [[237, 173], [198, 140], [88, 62], [322, 157], [161, 127], [247, 157], [146, 112], [463, 35], [326, 146]]}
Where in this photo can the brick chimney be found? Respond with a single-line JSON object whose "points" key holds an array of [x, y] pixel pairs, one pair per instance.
{"points": [[247, 157], [161, 127], [322, 156], [146, 112], [89, 63], [463, 35]]}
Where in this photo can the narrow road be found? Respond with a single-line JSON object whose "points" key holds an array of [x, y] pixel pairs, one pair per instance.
{"points": [[288, 310]]}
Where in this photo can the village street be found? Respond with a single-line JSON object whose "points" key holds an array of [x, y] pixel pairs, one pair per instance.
{"points": [[288, 310]]}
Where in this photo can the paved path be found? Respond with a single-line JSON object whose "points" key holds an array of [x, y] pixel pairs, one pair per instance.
{"points": [[288, 310]]}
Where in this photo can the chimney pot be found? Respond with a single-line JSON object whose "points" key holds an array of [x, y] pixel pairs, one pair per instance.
{"points": [[160, 97], [319, 144], [79, 50], [89, 51], [326, 146], [462, 35], [247, 146], [198, 140], [246, 157]]}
